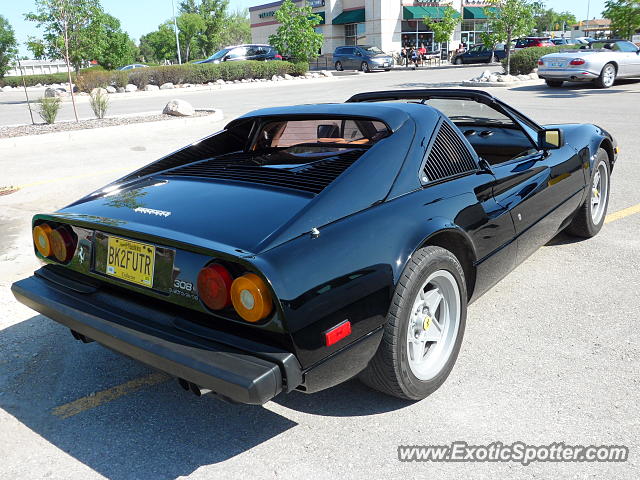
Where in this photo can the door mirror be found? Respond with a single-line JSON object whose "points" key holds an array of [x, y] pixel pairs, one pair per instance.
{"points": [[550, 139]]}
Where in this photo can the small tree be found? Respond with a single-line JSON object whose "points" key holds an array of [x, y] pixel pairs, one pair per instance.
{"points": [[48, 108], [191, 26], [490, 40], [442, 28], [114, 48], [624, 16], [509, 19], [296, 37], [7, 45]]}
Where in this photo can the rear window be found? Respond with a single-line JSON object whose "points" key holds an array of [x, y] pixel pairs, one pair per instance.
{"points": [[322, 134]]}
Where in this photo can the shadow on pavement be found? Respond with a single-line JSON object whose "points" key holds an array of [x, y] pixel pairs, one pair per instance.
{"points": [[574, 90], [157, 432]]}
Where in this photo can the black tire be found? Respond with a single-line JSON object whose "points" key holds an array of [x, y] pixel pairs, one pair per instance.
{"points": [[457, 61], [554, 83], [389, 370], [365, 67], [387, 69], [339, 66], [604, 80], [583, 224]]}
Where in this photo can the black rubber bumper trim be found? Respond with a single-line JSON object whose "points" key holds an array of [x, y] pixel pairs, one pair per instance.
{"points": [[228, 371]]}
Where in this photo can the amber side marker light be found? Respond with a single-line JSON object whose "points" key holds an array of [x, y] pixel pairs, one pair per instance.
{"points": [[251, 297], [214, 285], [42, 239]]}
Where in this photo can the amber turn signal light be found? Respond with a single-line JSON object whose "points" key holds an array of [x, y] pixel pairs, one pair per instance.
{"points": [[42, 239], [251, 297]]}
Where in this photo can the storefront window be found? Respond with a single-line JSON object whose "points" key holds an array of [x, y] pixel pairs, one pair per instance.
{"points": [[472, 31], [415, 33], [354, 32]]}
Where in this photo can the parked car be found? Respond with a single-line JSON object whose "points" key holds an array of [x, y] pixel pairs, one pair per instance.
{"points": [[533, 42], [361, 57], [301, 246], [132, 66], [479, 54], [564, 41], [600, 62], [243, 52]]}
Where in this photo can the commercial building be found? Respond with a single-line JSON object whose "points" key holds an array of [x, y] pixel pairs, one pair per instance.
{"points": [[388, 24]]}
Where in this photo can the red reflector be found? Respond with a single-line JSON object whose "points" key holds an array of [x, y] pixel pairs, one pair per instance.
{"points": [[337, 333], [577, 61], [214, 286]]}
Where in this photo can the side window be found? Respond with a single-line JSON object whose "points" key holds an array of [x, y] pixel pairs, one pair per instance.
{"points": [[448, 156], [253, 51], [349, 51], [626, 47], [339, 51], [237, 52]]}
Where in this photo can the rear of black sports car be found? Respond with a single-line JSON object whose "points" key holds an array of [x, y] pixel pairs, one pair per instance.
{"points": [[164, 265]]}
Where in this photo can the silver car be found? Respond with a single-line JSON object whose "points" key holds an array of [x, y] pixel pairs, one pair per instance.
{"points": [[600, 62]]}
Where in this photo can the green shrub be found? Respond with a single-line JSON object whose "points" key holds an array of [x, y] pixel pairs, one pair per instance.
{"points": [[99, 102], [89, 80], [32, 80], [524, 61], [48, 108]]}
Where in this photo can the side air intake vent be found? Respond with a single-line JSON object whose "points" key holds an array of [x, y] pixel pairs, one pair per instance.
{"points": [[311, 177], [448, 156]]}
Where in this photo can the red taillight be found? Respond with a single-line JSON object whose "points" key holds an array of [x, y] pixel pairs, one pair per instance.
{"points": [[337, 333], [214, 286], [577, 61], [278, 56], [63, 244], [539, 44], [540, 62]]}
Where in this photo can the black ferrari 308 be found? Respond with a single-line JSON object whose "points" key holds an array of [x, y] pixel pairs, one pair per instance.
{"points": [[302, 246]]}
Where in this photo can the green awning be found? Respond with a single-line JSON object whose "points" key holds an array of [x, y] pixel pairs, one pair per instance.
{"points": [[418, 13], [476, 13], [350, 16]]}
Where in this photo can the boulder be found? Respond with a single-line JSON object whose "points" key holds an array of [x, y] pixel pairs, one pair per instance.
{"points": [[7, 88], [120, 90], [533, 76], [55, 92], [99, 91], [38, 85], [485, 75], [275, 78], [151, 88], [187, 85], [167, 86], [288, 77], [130, 88], [178, 108], [523, 77], [111, 89], [493, 77], [220, 81], [326, 73]]}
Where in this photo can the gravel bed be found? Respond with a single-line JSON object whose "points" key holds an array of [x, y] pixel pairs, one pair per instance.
{"points": [[42, 128]]}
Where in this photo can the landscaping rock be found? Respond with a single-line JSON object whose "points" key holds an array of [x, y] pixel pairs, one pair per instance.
{"points": [[288, 77], [111, 89], [326, 73], [7, 88], [178, 108], [96, 91], [130, 88], [120, 90], [54, 92], [275, 78], [533, 76], [187, 85], [151, 88], [167, 86], [220, 81], [493, 78]]}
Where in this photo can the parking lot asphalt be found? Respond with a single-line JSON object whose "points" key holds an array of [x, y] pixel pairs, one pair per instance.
{"points": [[551, 354]]}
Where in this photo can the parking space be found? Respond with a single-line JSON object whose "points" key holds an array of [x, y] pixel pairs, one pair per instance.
{"points": [[551, 354]]}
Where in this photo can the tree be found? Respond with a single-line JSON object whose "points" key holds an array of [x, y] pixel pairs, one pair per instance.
{"points": [[214, 14], [547, 20], [113, 47], [509, 19], [190, 26], [237, 29], [624, 16], [442, 28], [296, 37], [7, 45], [160, 45], [37, 48]]}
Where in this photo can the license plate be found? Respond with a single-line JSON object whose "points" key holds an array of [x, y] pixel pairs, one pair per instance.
{"points": [[556, 64], [385, 65], [130, 261]]}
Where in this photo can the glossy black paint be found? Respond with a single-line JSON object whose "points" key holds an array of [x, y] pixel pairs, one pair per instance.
{"points": [[370, 220]]}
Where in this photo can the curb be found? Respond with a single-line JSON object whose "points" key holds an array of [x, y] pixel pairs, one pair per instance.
{"points": [[503, 84], [89, 134]]}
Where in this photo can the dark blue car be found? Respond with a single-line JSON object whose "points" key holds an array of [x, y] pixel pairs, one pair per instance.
{"points": [[243, 52], [478, 54]]}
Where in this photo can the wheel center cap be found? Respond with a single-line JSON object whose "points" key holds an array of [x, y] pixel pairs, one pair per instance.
{"points": [[426, 323]]}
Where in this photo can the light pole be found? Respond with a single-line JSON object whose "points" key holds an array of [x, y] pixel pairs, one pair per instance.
{"points": [[588, 8], [175, 28]]}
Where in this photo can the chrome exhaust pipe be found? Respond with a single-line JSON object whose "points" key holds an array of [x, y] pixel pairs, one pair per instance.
{"points": [[81, 337]]}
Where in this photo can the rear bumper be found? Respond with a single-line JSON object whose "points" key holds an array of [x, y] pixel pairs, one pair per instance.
{"points": [[238, 369], [567, 75]]}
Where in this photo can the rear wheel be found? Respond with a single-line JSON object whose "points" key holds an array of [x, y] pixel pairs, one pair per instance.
{"points": [[365, 67], [458, 61], [339, 66], [554, 83], [424, 328], [590, 217], [607, 76]]}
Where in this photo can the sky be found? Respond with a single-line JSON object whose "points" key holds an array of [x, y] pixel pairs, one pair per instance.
{"points": [[139, 17]]}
